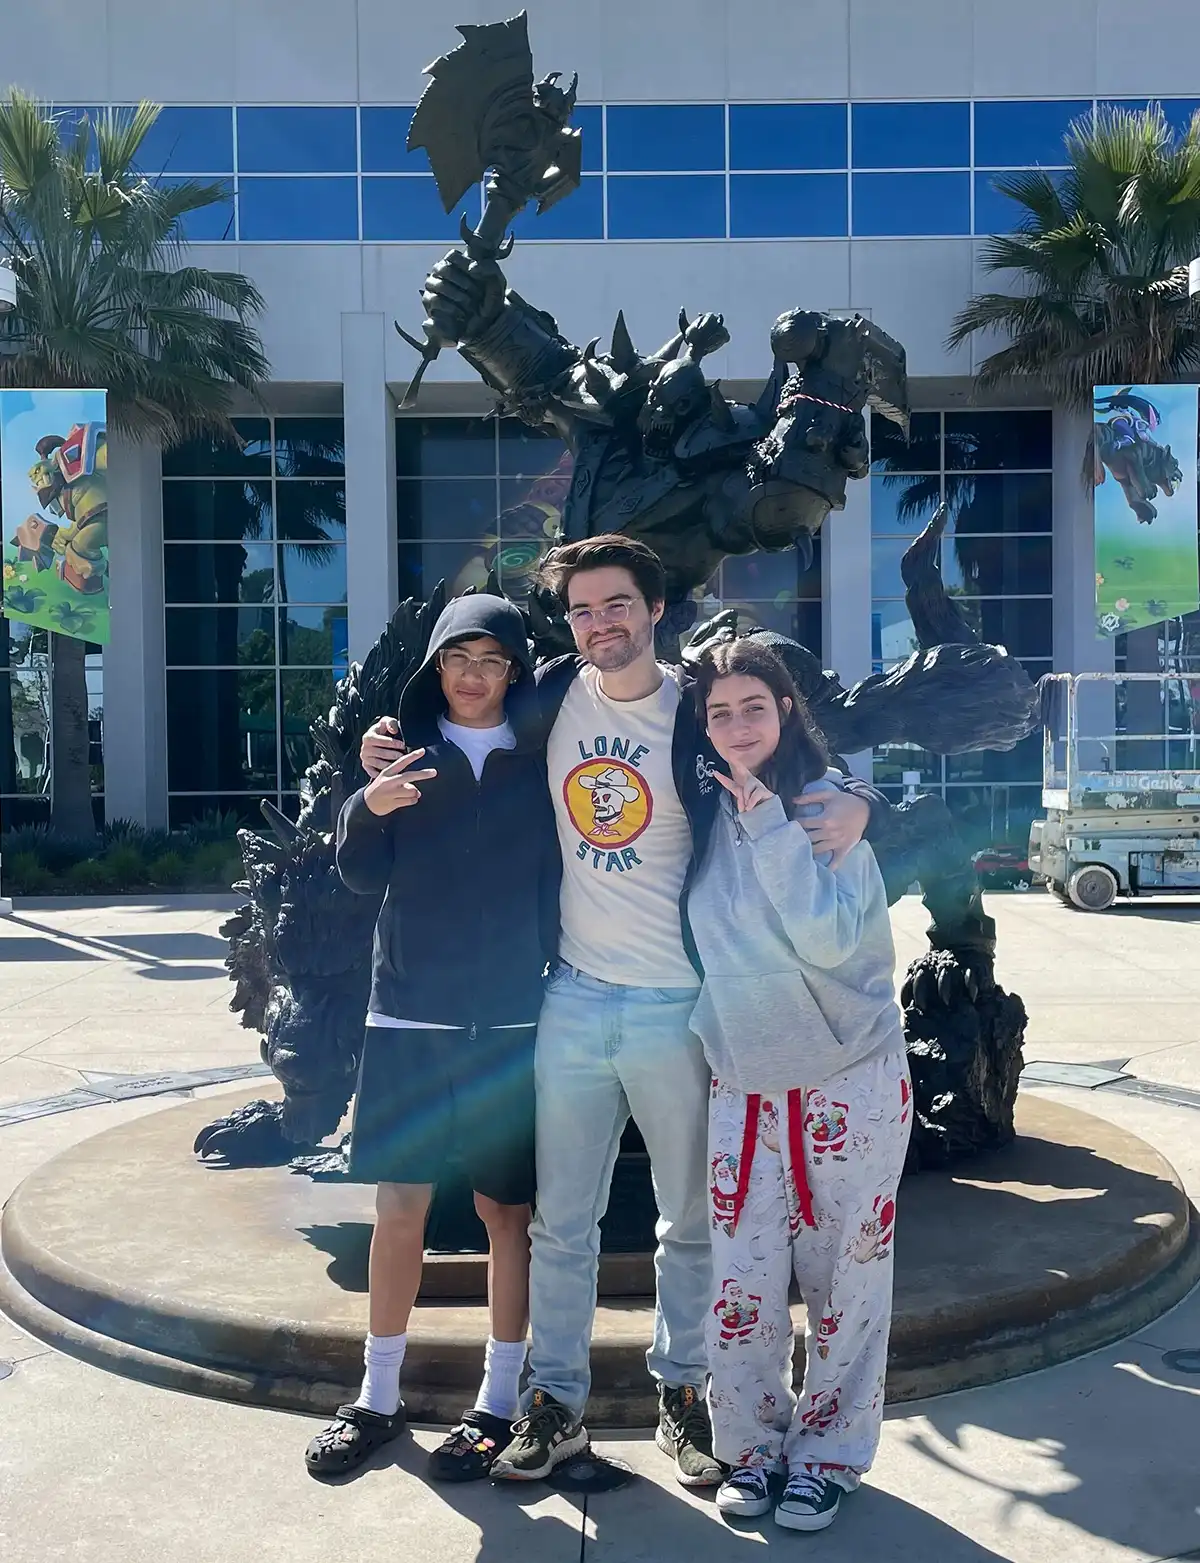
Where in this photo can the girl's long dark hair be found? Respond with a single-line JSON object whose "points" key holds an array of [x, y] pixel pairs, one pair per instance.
{"points": [[801, 755]]}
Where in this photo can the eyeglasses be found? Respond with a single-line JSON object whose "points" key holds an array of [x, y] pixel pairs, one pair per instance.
{"points": [[611, 613], [493, 666]]}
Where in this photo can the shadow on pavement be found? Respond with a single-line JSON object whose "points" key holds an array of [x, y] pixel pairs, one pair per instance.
{"points": [[646, 1523], [1115, 1436]]}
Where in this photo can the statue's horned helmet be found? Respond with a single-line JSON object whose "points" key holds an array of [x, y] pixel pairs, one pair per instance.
{"points": [[679, 393], [677, 397], [552, 100]]}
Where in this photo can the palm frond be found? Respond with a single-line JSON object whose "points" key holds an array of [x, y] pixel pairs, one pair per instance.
{"points": [[104, 295], [1096, 263]]}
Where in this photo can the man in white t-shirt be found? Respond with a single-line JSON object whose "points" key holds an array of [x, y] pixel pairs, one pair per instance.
{"points": [[634, 801]]}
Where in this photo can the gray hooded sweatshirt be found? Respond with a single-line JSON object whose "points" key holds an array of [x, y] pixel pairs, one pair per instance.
{"points": [[798, 958]]}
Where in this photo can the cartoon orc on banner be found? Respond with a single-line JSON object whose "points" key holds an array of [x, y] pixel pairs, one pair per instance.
{"points": [[70, 479]]}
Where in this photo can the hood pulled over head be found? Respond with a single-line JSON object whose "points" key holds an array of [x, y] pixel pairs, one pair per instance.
{"points": [[465, 618]]}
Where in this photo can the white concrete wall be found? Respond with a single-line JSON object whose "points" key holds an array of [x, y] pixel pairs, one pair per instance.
{"points": [[372, 51], [330, 306]]}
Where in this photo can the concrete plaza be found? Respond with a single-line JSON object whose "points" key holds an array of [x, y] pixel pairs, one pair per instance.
{"points": [[1093, 1460]]}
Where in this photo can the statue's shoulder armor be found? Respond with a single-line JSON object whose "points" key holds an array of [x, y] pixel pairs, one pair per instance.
{"points": [[706, 440]]}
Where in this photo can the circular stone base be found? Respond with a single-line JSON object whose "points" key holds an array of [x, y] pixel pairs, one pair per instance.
{"points": [[250, 1285]]}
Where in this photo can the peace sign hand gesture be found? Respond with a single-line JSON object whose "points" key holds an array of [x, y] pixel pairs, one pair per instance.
{"points": [[395, 786], [748, 792]]}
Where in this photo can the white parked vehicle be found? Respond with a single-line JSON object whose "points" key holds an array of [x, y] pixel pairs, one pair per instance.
{"points": [[1122, 804]]}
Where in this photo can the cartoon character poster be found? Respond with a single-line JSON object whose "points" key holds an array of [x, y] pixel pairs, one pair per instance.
{"points": [[1145, 505], [54, 510]]}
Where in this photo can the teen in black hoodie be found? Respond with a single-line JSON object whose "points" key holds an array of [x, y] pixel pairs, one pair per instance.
{"points": [[459, 834]]}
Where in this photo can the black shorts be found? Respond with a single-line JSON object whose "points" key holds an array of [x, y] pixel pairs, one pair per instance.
{"points": [[436, 1106]]}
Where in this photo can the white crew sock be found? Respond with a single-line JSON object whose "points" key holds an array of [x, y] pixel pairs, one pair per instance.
{"points": [[502, 1365], [383, 1357]]}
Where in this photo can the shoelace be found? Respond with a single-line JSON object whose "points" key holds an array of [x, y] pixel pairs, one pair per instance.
{"points": [[692, 1425], [540, 1416], [805, 1483], [750, 1478]]}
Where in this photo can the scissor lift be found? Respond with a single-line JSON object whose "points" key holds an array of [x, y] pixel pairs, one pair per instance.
{"points": [[1115, 825]]}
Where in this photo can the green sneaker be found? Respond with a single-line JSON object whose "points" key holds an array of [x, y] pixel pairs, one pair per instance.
{"points": [[685, 1433], [545, 1436], [810, 1500]]}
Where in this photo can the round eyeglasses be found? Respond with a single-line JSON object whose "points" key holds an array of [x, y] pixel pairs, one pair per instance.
{"points": [[610, 613], [492, 665]]}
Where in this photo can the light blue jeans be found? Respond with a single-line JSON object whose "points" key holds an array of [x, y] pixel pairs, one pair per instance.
{"points": [[603, 1052]]}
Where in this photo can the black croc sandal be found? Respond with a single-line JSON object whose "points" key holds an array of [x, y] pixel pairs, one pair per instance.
{"points": [[350, 1439], [471, 1447]]}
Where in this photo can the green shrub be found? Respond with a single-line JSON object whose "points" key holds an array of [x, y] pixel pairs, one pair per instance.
{"points": [[91, 877], [126, 867], [51, 850], [24, 875], [215, 826], [168, 871], [214, 867]]}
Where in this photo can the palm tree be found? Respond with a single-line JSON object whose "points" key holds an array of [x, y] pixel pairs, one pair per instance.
{"points": [[104, 301], [1099, 259]]}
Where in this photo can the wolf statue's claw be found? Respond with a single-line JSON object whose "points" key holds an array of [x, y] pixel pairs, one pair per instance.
{"points": [[251, 1136]]}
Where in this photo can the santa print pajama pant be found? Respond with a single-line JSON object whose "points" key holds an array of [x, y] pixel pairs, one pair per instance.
{"points": [[852, 1134]]}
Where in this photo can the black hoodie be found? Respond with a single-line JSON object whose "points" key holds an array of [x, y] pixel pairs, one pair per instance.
{"points": [[471, 872]]}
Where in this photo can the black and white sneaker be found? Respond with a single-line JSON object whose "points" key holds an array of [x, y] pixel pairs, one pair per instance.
{"points": [[685, 1433], [810, 1500], [545, 1436], [745, 1493]]}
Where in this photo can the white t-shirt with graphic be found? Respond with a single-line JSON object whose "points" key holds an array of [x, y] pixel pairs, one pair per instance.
{"points": [[625, 838]]}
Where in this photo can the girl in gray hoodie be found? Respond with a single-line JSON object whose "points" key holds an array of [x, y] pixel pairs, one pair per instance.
{"points": [[810, 1110]]}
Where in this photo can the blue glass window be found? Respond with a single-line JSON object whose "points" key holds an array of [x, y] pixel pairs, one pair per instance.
{"points": [[589, 117], [384, 133], [297, 141], [787, 135], [404, 208], [665, 137], [189, 141], [787, 206], [682, 206], [911, 205], [985, 441], [1176, 111], [298, 209], [1017, 135], [994, 213], [210, 222], [69, 119], [911, 135], [579, 215]]}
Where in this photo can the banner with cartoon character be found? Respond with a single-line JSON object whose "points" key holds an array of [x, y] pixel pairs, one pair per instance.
{"points": [[1145, 505], [54, 510]]}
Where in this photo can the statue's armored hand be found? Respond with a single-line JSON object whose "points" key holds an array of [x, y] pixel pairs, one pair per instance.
{"points": [[462, 297]]}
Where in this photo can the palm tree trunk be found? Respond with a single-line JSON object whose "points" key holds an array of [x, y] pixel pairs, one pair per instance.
{"points": [[70, 781]]}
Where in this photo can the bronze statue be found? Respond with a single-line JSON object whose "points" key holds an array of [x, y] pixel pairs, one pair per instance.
{"points": [[662, 454]]}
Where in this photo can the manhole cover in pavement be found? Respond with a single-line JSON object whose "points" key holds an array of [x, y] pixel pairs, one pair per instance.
{"points": [[1183, 1361]]}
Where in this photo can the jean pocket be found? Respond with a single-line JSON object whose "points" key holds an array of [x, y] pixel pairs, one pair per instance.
{"points": [[675, 995], [556, 977]]}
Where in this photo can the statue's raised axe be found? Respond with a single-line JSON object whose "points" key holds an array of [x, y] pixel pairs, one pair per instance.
{"points": [[482, 115]]}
